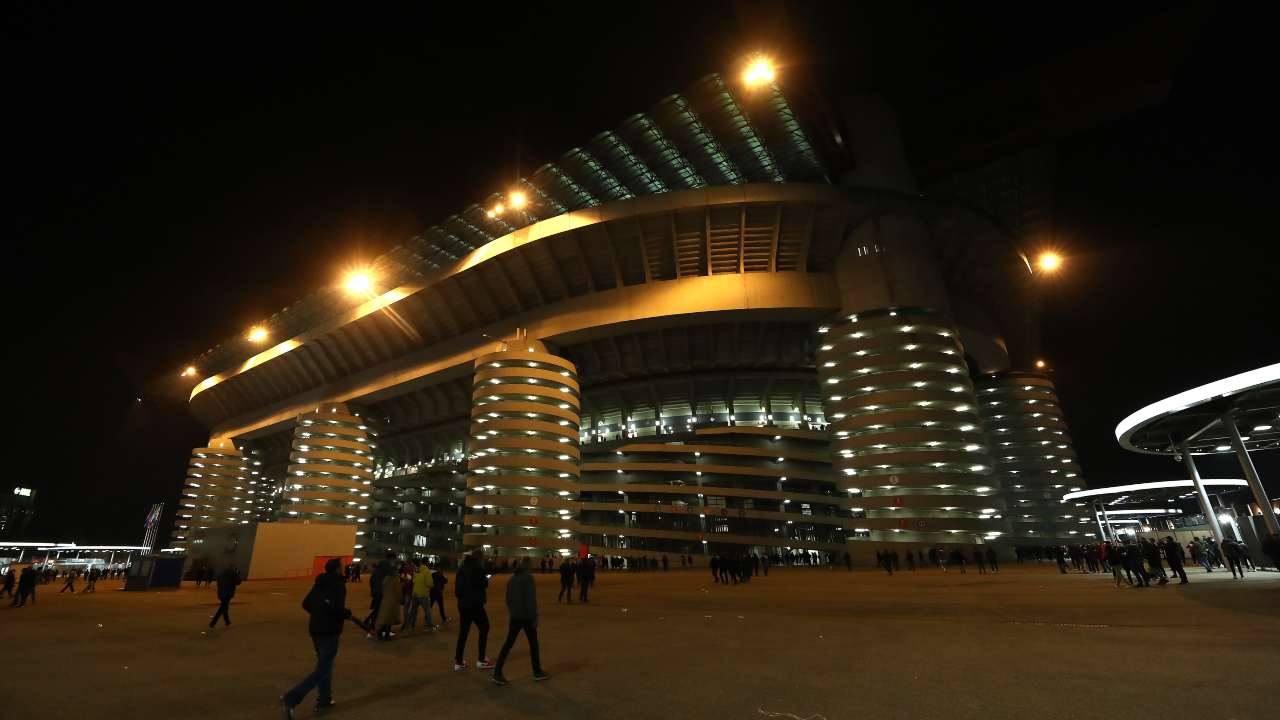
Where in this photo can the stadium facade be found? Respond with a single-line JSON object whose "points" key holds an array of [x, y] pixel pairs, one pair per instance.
{"points": [[731, 325]]}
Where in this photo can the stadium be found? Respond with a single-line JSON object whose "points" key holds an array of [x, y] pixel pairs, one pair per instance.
{"points": [[733, 324]]}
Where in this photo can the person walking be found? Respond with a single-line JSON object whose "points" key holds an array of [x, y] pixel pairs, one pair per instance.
{"points": [[91, 580], [1173, 554], [586, 576], [390, 603], [1151, 554], [9, 579], [26, 588], [979, 560], [992, 560], [522, 607], [228, 579], [418, 598], [1116, 555], [70, 584], [567, 571], [326, 605], [436, 594], [1230, 550], [470, 588], [380, 571], [1133, 566]]}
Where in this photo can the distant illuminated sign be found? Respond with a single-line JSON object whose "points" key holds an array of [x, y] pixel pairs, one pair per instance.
{"points": [[24, 492]]}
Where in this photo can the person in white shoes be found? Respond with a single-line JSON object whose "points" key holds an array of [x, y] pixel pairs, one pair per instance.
{"points": [[470, 587]]}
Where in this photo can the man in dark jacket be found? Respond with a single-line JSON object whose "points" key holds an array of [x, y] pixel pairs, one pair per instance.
{"points": [[375, 585], [227, 582], [1231, 550], [327, 605], [470, 588], [436, 594], [26, 588], [522, 606], [586, 576], [1151, 554], [1173, 554], [567, 571]]}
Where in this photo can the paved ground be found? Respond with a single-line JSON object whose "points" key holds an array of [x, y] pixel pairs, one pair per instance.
{"points": [[808, 643]]}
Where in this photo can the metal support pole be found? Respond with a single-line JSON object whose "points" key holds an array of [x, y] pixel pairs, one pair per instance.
{"points": [[1205, 507], [1251, 474], [1110, 528], [1098, 515]]}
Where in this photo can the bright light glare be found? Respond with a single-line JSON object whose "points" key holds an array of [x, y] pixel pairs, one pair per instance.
{"points": [[517, 199], [1049, 262], [189, 371], [257, 334], [759, 72], [1040, 364], [359, 283]]}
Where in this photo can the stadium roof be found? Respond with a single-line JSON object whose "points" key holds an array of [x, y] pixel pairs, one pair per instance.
{"points": [[714, 134]]}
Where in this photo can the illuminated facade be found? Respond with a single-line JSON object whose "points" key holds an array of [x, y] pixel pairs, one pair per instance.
{"points": [[710, 330]]}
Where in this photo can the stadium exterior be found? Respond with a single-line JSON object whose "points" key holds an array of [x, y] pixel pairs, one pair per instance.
{"points": [[723, 327]]}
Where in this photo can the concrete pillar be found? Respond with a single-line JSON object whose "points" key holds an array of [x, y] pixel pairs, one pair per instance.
{"points": [[907, 436], [1251, 474], [331, 468], [524, 454], [216, 491], [1033, 455]]}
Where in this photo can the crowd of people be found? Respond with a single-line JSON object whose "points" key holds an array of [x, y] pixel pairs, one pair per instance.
{"points": [[983, 557], [21, 587], [404, 585], [1140, 562]]}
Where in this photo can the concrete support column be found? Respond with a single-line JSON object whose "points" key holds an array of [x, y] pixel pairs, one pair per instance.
{"points": [[1203, 496], [907, 436], [1034, 458], [523, 455], [1251, 474], [331, 471], [217, 491]]}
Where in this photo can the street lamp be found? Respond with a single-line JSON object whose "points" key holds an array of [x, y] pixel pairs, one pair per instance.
{"points": [[257, 334], [359, 282], [191, 370], [1040, 364], [759, 71], [1049, 262], [517, 199]]}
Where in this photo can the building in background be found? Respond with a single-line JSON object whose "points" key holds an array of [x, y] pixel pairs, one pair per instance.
{"points": [[17, 508], [731, 324]]}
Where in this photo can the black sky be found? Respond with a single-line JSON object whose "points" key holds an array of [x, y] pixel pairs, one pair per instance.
{"points": [[176, 176]]}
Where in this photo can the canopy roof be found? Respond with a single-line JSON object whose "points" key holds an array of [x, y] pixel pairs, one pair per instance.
{"points": [[1195, 416]]}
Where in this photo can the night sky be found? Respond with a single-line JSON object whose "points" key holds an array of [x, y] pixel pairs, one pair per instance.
{"points": [[175, 177]]}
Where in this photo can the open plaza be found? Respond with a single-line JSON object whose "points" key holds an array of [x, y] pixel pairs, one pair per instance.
{"points": [[802, 642]]}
